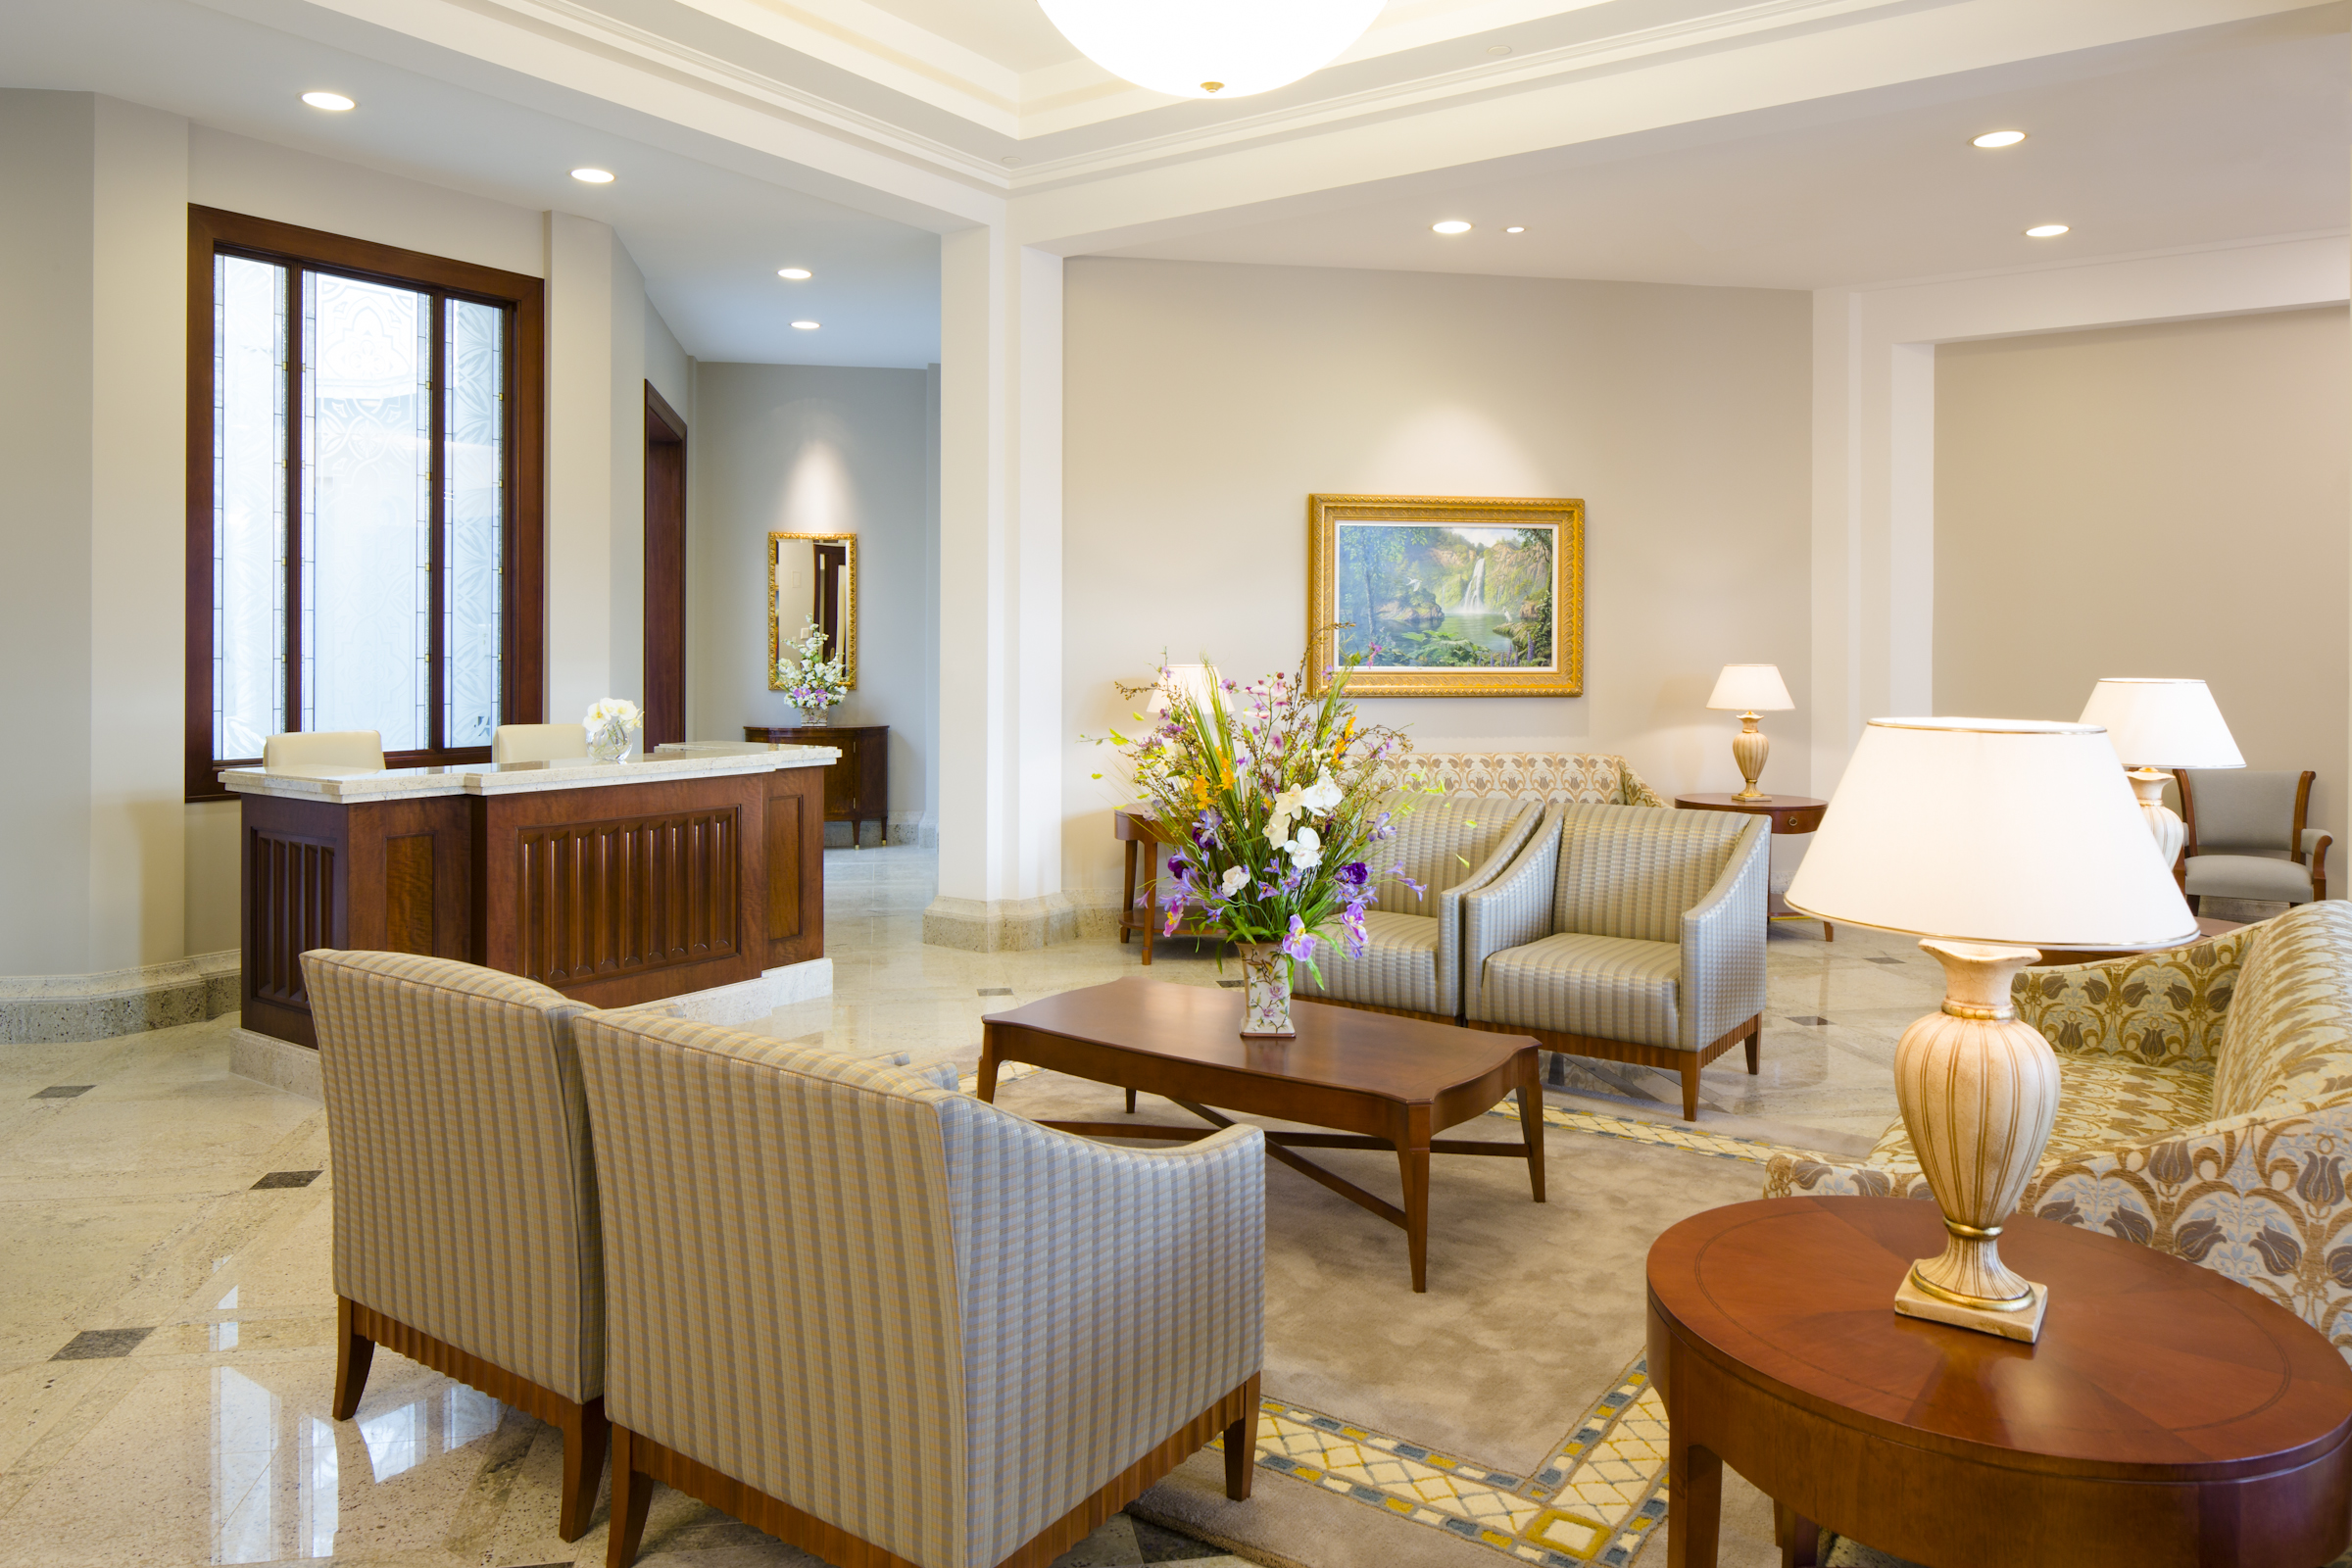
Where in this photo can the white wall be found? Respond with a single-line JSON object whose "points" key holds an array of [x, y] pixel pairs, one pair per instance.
{"points": [[2159, 500], [815, 449], [1206, 402], [127, 873]]}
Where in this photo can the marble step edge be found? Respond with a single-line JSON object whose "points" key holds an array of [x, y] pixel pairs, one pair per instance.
{"points": [[51, 1008]]}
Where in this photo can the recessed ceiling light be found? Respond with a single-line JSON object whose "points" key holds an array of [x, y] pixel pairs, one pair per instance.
{"points": [[593, 176], [2045, 231], [797, 274], [1516, 228], [1451, 226], [1499, 49], [1999, 138], [333, 101], [805, 326], [1009, 162]]}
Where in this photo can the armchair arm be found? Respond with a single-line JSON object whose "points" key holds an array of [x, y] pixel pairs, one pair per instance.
{"points": [[1511, 910], [1515, 833], [2313, 852], [1108, 1294], [1723, 942], [2164, 1008]]}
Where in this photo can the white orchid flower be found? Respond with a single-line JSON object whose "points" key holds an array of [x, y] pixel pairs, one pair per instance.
{"points": [[1322, 796], [1236, 878], [1306, 850]]}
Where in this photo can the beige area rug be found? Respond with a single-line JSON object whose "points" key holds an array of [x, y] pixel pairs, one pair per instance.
{"points": [[1503, 1414]]}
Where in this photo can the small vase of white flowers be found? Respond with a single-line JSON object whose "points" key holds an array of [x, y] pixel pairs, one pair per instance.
{"points": [[609, 723], [812, 683]]}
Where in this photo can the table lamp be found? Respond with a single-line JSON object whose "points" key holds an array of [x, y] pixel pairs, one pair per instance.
{"points": [[1194, 679], [1750, 689], [1992, 838], [2157, 726]]}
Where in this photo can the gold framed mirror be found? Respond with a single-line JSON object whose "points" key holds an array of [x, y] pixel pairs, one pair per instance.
{"points": [[812, 577]]}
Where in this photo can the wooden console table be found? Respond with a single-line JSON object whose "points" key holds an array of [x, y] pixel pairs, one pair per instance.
{"points": [[856, 787], [612, 883]]}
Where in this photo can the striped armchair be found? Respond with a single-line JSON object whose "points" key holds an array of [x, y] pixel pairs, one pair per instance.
{"points": [[1625, 934], [1412, 958], [892, 1323], [465, 1201]]}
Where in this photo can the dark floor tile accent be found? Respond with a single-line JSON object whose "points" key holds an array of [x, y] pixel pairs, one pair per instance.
{"points": [[1810, 1018], [287, 1178], [1883, 958], [996, 991], [64, 1091], [1157, 1544], [99, 1345], [1230, 985]]}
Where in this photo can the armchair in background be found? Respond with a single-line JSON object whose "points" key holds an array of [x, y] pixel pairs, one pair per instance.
{"points": [[538, 743], [2247, 838], [360, 749], [892, 1323], [1625, 934], [1412, 958]]}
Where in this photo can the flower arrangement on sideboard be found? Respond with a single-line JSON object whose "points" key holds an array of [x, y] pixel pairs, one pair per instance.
{"points": [[813, 683]]}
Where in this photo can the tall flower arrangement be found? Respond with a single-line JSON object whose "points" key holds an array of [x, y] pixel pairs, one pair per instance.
{"points": [[813, 683], [1282, 799]]}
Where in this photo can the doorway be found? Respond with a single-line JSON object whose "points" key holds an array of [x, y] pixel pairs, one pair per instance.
{"points": [[664, 571]]}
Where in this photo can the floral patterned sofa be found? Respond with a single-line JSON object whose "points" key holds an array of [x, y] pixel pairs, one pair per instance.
{"points": [[2206, 1109], [1592, 778]]}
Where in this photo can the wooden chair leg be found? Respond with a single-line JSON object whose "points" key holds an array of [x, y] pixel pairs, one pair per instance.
{"points": [[1690, 1089], [1241, 1450], [1755, 1041], [353, 1353], [1829, 932], [1130, 1102], [632, 1494], [586, 1434]]}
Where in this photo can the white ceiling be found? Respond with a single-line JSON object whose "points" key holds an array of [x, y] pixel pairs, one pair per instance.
{"points": [[2207, 139], [1779, 143]]}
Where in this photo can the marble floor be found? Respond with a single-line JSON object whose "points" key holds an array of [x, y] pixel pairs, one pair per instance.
{"points": [[167, 1313]]}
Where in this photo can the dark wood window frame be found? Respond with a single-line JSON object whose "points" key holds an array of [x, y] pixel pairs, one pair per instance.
{"points": [[522, 697]]}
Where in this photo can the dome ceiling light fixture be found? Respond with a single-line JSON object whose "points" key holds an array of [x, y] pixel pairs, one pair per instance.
{"points": [[1211, 48]]}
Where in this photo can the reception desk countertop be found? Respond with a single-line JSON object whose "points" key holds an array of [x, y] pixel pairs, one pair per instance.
{"points": [[694, 760]]}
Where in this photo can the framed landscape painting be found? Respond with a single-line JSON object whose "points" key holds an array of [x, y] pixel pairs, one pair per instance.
{"points": [[1450, 596]]}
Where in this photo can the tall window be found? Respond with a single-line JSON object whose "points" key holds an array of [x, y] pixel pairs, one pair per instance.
{"points": [[363, 506]]}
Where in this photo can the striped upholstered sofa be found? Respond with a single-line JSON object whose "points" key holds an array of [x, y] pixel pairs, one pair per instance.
{"points": [[1593, 777], [887, 1323], [2205, 1109], [1625, 934]]}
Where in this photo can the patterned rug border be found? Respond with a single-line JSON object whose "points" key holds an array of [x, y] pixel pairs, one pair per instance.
{"points": [[1666, 1134]]}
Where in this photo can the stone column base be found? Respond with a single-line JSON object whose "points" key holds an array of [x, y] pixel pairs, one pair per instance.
{"points": [[1000, 925]]}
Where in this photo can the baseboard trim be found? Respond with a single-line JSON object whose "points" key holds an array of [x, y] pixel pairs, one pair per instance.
{"points": [[54, 1008], [1000, 925], [282, 1065]]}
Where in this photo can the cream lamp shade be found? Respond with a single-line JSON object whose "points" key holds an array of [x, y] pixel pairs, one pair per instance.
{"points": [[2005, 830], [2162, 723], [1194, 679], [1992, 837], [1750, 689]]}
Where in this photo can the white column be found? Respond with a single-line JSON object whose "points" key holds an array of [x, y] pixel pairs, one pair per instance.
{"points": [[585, 495], [999, 598]]}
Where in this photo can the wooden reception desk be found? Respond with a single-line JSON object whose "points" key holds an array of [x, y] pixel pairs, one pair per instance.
{"points": [[615, 883]]}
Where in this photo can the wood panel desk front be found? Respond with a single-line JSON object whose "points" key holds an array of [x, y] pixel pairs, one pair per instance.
{"points": [[614, 883]]}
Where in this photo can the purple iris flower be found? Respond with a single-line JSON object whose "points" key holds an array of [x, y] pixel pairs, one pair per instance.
{"points": [[1301, 943], [1398, 871], [1351, 921], [1355, 873]]}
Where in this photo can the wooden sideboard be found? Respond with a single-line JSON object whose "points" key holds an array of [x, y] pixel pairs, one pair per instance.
{"points": [[858, 787], [616, 884]]}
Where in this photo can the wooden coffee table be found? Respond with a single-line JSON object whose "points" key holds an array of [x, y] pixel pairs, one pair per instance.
{"points": [[1387, 1082], [2167, 1416]]}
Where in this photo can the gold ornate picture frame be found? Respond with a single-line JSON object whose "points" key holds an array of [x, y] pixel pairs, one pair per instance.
{"points": [[1462, 596], [818, 573]]}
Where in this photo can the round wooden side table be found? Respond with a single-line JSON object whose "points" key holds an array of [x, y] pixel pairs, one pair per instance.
{"points": [[2167, 1416], [1790, 813]]}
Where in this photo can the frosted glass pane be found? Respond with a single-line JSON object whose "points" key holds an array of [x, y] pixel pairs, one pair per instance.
{"points": [[249, 504], [367, 508], [475, 508]]}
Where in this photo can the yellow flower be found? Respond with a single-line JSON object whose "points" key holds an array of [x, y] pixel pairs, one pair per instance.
{"points": [[1201, 793]]}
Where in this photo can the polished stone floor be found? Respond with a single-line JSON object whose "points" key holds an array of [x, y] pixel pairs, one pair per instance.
{"points": [[166, 1311]]}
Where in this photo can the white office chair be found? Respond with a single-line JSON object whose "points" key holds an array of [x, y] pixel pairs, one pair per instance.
{"points": [[361, 749], [538, 743]]}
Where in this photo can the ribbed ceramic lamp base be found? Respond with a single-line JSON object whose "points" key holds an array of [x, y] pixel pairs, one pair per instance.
{"points": [[1749, 748], [1979, 1090], [2167, 828]]}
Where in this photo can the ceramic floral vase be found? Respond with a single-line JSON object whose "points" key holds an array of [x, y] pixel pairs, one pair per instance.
{"points": [[816, 718], [1265, 991]]}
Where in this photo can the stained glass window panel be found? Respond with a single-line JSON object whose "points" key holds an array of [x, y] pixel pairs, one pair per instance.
{"points": [[249, 504], [367, 510], [473, 507]]}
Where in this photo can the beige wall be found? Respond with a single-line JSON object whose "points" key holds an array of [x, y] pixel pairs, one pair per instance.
{"points": [[2166, 500], [1206, 402], [814, 448]]}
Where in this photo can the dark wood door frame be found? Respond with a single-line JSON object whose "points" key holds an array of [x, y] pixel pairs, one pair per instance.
{"points": [[664, 571]]}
